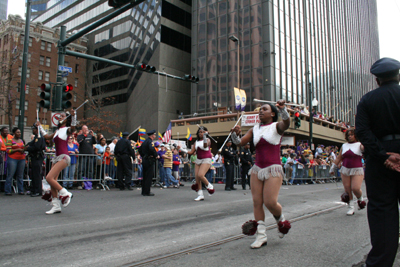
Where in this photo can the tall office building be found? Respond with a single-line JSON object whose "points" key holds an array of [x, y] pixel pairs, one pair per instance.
{"points": [[157, 33], [39, 6], [3, 9], [284, 47]]}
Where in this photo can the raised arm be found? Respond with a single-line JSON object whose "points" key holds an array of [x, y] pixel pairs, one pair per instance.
{"points": [[283, 125], [245, 139]]}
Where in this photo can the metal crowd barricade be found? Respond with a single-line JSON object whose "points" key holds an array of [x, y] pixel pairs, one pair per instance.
{"points": [[3, 172]]}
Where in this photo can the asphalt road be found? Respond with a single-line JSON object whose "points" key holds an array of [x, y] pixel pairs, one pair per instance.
{"points": [[123, 228]]}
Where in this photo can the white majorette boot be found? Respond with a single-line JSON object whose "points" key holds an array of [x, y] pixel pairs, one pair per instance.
{"points": [[261, 236], [350, 211], [283, 226], [210, 189], [200, 196], [56, 203], [65, 197]]}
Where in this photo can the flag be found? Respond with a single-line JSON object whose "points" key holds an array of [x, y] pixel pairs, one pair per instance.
{"points": [[167, 134], [159, 136], [142, 131], [120, 134], [242, 99], [237, 98], [142, 138], [189, 135]]}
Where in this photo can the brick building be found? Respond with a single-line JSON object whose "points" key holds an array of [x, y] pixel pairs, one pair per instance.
{"points": [[42, 68]]}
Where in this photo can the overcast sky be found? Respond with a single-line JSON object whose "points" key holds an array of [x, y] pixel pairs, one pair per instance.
{"points": [[388, 21]]}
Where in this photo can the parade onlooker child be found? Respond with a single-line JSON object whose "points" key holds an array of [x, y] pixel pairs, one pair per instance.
{"points": [[176, 161], [106, 163]]}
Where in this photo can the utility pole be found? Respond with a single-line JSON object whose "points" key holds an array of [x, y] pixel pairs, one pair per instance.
{"points": [[24, 68]]}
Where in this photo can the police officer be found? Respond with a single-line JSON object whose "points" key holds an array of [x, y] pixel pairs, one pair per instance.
{"points": [[149, 156], [124, 152], [229, 160], [247, 161], [378, 129], [36, 154]]}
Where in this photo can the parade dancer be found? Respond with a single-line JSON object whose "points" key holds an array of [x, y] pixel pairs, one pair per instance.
{"points": [[267, 173], [202, 163], [352, 171], [58, 195]]}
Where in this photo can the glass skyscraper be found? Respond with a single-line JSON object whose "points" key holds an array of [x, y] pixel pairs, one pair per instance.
{"points": [[284, 47], [3, 9], [156, 33]]}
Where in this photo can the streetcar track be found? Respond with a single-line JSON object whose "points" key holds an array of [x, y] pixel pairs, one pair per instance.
{"points": [[156, 259]]}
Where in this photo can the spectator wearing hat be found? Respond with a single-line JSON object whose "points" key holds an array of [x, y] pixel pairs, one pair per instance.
{"points": [[149, 156], [229, 160], [247, 161], [36, 149], [378, 130], [124, 150]]}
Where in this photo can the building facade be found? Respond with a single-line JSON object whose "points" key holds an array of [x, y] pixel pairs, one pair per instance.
{"points": [[157, 33], [3, 9], [285, 47], [42, 68]]}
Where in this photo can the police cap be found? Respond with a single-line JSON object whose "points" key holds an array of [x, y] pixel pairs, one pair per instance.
{"points": [[125, 134], [229, 140], [151, 132], [385, 68]]}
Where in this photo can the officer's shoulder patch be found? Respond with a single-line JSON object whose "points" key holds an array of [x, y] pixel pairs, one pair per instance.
{"points": [[152, 144], [36, 140]]}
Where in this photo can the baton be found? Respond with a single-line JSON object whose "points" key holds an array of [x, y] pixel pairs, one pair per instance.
{"points": [[230, 133], [87, 100], [37, 118], [201, 127], [273, 102]]}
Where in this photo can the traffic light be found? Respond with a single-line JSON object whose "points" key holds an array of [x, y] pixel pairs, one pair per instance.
{"points": [[144, 67], [191, 78], [297, 120], [45, 95], [66, 96], [117, 3]]}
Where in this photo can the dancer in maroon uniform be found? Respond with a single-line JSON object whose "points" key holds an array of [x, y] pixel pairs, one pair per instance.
{"points": [[352, 171], [267, 173], [202, 163], [59, 195]]}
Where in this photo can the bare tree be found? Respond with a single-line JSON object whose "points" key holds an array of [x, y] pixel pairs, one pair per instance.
{"points": [[8, 79]]}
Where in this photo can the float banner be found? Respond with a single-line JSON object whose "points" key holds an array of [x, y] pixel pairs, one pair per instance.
{"points": [[250, 120]]}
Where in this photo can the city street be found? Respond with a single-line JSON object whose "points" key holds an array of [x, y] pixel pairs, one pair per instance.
{"points": [[123, 228]]}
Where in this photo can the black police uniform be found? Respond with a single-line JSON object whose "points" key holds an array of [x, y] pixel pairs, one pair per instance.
{"points": [[149, 156], [378, 129], [229, 160], [247, 161], [123, 151], [35, 149]]}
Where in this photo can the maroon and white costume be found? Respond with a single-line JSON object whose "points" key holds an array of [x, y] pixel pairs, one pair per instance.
{"points": [[203, 154], [267, 141], [352, 159], [61, 144]]}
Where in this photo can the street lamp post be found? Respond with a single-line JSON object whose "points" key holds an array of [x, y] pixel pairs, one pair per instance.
{"points": [[234, 39]]}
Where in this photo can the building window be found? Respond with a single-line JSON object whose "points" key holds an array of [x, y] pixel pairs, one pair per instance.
{"points": [[28, 73], [19, 71], [49, 47], [29, 57], [41, 60], [76, 68], [17, 120], [65, 79], [40, 75], [22, 39], [75, 97], [39, 90], [76, 82], [17, 104], [27, 89], [66, 63], [47, 61], [30, 41], [47, 76], [26, 106], [43, 45]]}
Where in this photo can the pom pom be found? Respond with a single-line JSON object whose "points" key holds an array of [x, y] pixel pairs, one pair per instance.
{"points": [[284, 227], [211, 191], [249, 227], [47, 196], [361, 204], [345, 198], [195, 187]]}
